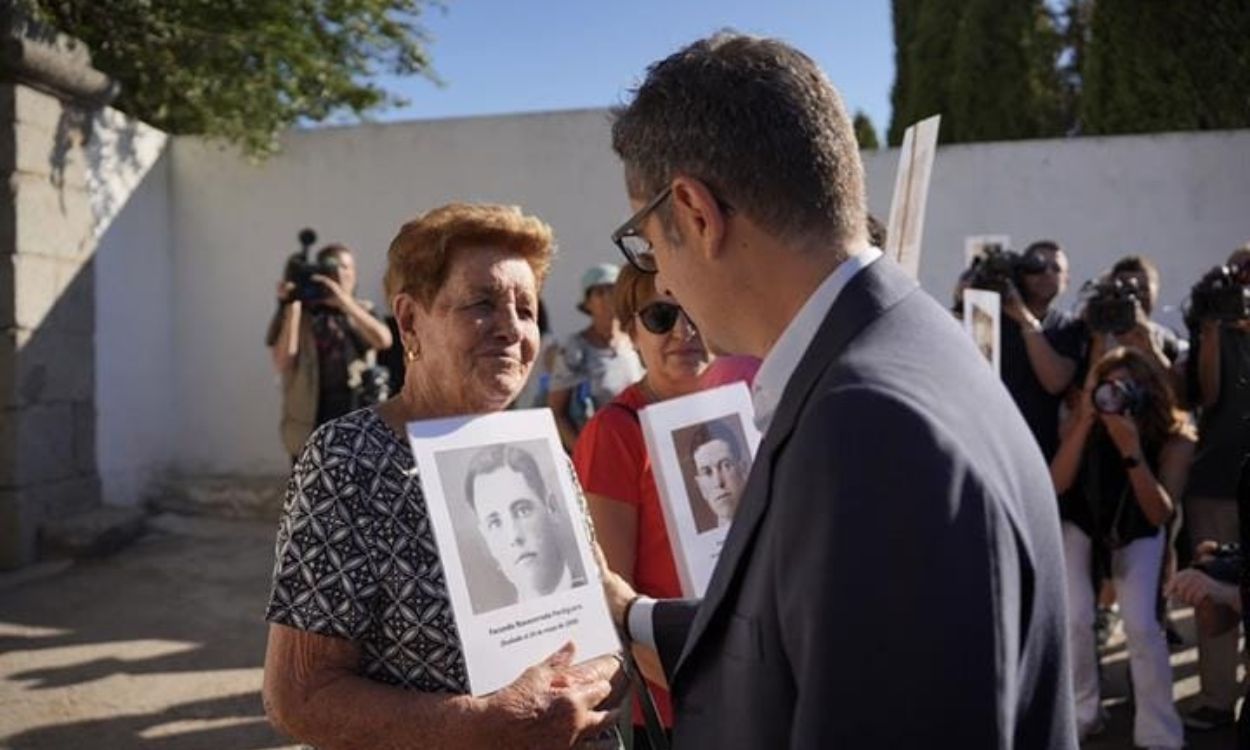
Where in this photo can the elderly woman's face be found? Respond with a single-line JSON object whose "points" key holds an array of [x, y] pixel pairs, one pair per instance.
{"points": [[480, 336], [676, 356]]}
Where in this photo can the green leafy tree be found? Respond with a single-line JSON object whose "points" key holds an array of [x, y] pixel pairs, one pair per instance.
{"points": [[987, 66], [245, 70], [1155, 65], [865, 133], [929, 28], [1003, 82], [904, 15]]}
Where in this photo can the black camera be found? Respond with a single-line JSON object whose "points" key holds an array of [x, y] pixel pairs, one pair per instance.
{"points": [[1225, 564], [300, 270], [1223, 294], [997, 267], [994, 269], [1118, 397], [370, 384], [1111, 304]]}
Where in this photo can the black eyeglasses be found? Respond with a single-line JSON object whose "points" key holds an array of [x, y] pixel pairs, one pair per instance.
{"points": [[634, 246], [636, 249], [660, 317]]}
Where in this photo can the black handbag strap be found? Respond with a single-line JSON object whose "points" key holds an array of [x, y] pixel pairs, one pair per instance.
{"points": [[650, 715]]}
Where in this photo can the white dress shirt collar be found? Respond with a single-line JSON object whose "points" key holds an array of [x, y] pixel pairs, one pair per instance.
{"points": [[783, 358]]}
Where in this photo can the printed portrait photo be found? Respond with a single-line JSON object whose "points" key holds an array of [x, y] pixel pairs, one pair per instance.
{"points": [[983, 332], [512, 523], [715, 463]]}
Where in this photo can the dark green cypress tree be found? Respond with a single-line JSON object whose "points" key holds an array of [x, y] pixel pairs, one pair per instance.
{"points": [[1003, 82], [865, 133], [1155, 65], [987, 66], [904, 17]]}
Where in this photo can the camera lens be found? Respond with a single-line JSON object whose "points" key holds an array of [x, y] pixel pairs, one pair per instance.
{"points": [[1109, 397]]}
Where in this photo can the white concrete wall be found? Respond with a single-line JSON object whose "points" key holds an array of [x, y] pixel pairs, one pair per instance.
{"points": [[135, 303], [1179, 198], [235, 223]]}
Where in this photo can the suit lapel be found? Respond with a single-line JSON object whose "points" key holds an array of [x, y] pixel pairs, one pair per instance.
{"points": [[870, 292]]}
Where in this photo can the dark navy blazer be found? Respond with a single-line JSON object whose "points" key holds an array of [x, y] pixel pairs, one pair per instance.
{"points": [[894, 575]]}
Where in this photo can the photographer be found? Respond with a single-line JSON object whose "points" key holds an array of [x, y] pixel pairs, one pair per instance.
{"points": [[1041, 345], [1123, 459], [1219, 378], [1140, 273], [1211, 585], [320, 339]]}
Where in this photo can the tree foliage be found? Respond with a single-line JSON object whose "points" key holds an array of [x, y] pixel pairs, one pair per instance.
{"points": [[987, 66], [245, 70], [865, 133], [1004, 69], [1154, 65]]}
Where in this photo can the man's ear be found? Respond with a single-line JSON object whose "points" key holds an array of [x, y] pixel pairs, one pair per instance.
{"points": [[698, 217]]}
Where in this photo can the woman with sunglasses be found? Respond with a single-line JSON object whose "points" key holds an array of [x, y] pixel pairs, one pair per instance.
{"points": [[1122, 464], [611, 457]]}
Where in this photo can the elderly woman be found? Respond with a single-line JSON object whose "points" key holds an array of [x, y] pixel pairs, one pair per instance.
{"points": [[611, 457], [363, 648]]}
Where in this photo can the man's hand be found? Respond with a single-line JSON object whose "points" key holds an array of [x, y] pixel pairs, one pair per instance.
{"points": [[556, 704], [1014, 308], [1138, 337], [615, 588], [285, 290], [1193, 587], [336, 296]]}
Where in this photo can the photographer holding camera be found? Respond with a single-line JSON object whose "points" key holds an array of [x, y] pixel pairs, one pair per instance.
{"points": [[322, 340], [1118, 309], [1218, 375], [1041, 345], [1122, 462]]}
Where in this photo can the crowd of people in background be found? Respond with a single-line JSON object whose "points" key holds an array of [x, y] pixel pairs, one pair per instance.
{"points": [[1147, 434]]}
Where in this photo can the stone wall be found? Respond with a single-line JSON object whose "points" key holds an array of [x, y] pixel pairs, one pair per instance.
{"points": [[47, 286]]}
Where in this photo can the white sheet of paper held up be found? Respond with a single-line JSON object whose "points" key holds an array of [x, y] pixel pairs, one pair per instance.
{"points": [[911, 191]]}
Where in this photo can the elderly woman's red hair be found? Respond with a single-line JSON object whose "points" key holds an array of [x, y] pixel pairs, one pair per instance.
{"points": [[419, 256]]}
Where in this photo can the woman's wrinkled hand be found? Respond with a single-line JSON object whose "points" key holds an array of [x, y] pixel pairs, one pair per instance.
{"points": [[558, 704]]}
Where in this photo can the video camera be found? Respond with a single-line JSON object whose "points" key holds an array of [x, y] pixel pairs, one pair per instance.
{"points": [[1111, 304], [1223, 294], [998, 267], [300, 270]]}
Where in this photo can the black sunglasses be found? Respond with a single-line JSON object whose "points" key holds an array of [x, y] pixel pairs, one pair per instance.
{"points": [[660, 317]]}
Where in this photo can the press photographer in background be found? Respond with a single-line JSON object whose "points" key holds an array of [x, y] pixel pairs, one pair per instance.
{"points": [[1117, 309], [1212, 586], [323, 342], [1218, 377], [1121, 466], [1041, 345]]}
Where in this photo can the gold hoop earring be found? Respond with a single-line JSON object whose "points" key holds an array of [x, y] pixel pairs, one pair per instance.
{"points": [[412, 355]]}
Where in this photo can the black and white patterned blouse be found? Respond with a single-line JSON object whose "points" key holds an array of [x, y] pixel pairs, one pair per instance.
{"points": [[356, 557]]}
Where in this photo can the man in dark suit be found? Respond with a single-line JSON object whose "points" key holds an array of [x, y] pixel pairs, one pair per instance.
{"points": [[893, 576]]}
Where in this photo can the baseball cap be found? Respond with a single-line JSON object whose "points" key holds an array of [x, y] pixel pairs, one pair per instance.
{"points": [[603, 274]]}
